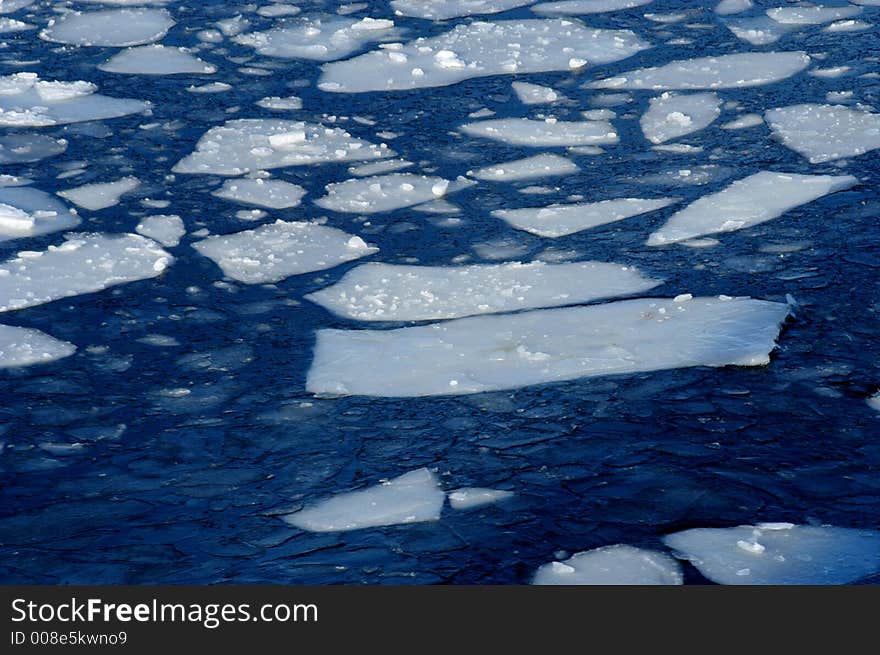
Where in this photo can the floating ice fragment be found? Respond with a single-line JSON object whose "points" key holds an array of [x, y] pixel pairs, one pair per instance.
{"points": [[672, 115], [111, 27], [539, 133], [167, 229], [156, 60], [810, 15], [379, 167], [727, 7], [534, 94], [743, 122], [612, 565], [575, 7], [383, 193], [874, 401], [470, 497], [100, 195], [10, 6], [26, 212], [446, 9], [273, 194], [825, 132], [25, 346], [280, 104], [529, 168]]}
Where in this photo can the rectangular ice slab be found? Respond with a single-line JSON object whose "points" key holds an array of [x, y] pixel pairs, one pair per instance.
{"points": [[273, 252], [411, 498], [485, 353], [389, 292], [749, 201], [26, 346], [528, 132], [85, 263], [825, 132]]}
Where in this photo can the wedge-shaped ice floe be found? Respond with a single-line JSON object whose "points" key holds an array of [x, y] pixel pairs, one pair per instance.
{"points": [[156, 60], [252, 144], [85, 263], [273, 252], [825, 132], [167, 229], [27, 212], [485, 353], [411, 498], [811, 15], [100, 195], [529, 168], [273, 194], [742, 69], [28, 101], [672, 115], [389, 292], [471, 497], [780, 553], [575, 7], [534, 94], [479, 49], [749, 201], [562, 220], [446, 9], [321, 38], [543, 133], [112, 27], [612, 565], [382, 193], [26, 346]]}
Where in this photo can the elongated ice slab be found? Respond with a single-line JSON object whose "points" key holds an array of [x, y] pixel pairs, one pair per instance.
{"points": [[724, 72], [26, 346], [100, 195], [672, 115], [728, 7], [479, 49], [446, 9], [156, 60], [575, 7], [471, 497], [112, 27], [529, 168], [534, 94], [543, 133], [825, 132], [389, 292], [273, 252], [84, 263], [273, 194], [758, 30], [167, 229], [250, 144], [411, 498], [811, 15], [612, 565], [22, 148], [780, 553], [561, 220], [26, 212], [382, 193], [749, 201], [485, 353]]}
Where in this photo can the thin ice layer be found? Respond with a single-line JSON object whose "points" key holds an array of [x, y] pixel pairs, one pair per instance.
{"points": [[100, 195], [486, 353], [738, 70], [112, 27], [390, 292], [780, 553], [575, 7], [446, 9], [272, 194], [382, 193], [544, 165], [84, 263], [543, 133], [749, 201], [411, 498], [562, 220], [612, 565], [825, 132], [253, 144], [479, 49], [26, 346], [273, 252], [672, 115], [156, 60], [27, 212]]}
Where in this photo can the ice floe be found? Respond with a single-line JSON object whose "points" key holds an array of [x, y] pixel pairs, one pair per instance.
{"points": [[811, 15], [382, 193], [112, 27], [411, 498], [84, 263], [485, 353], [780, 553], [26, 346], [743, 69], [26, 212], [10, 6], [156, 60], [273, 252], [560, 220], [479, 49], [825, 132], [100, 195], [749, 201], [167, 229], [574, 7], [390, 292], [540, 133], [874, 401], [22, 148], [471, 497], [728, 7], [273, 194], [529, 168], [742, 122], [277, 103], [251, 144], [10, 25], [758, 30], [672, 115], [534, 94], [446, 9], [612, 565], [379, 167]]}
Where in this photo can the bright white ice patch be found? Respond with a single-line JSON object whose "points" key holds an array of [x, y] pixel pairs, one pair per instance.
{"points": [[486, 353], [811, 15], [612, 565], [728, 7], [389, 292], [100, 195], [780, 553], [411, 498], [743, 122], [749, 201], [825, 132], [561, 220], [272, 194], [26, 212], [471, 497], [672, 115], [156, 60], [26, 346], [113, 27], [542, 133], [384, 193], [574, 7], [85, 263], [530, 168], [167, 229], [534, 94], [446, 9], [273, 252]]}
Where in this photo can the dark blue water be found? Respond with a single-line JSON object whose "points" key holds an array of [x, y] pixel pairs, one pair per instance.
{"points": [[189, 489]]}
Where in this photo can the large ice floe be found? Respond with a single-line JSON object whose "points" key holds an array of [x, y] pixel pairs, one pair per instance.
{"points": [[825, 132], [672, 115], [28, 101], [749, 201], [322, 38], [26, 346], [100, 195], [389, 292], [156, 60], [84, 263], [485, 353], [529, 168], [575, 7], [612, 565], [561, 220], [411, 498], [253, 144], [111, 27], [743, 69], [27, 212], [814, 15], [728, 7], [272, 194], [543, 133], [446, 9], [479, 49], [278, 250], [780, 553], [382, 193]]}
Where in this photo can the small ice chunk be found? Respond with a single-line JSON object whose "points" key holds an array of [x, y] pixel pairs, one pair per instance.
{"points": [[874, 401], [111, 27], [156, 60], [612, 565], [728, 7], [470, 497], [382, 193], [824, 133], [529, 168], [672, 115], [543, 133], [167, 229], [744, 121], [277, 103], [100, 195], [272, 194], [26, 212], [379, 167], [534, 94], [811, 15], [26, 346]]}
